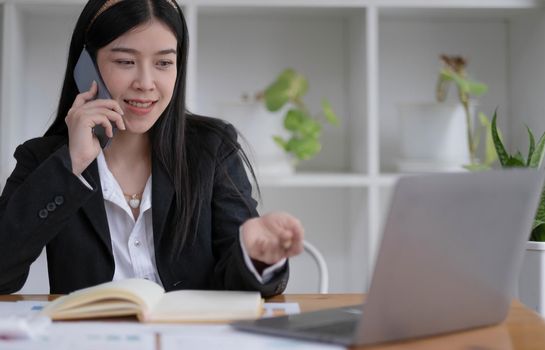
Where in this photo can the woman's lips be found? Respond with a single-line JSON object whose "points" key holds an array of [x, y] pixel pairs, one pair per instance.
{"points": [[140, 107]]}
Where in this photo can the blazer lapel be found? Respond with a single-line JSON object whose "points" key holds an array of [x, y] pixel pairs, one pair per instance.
{"points": [[95, 210], [162, 194]]}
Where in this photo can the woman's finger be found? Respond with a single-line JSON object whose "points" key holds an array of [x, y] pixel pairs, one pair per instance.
{"points": [[86, 96], [108, 113], [104, 122], [269, 249], [295, 249], [291, 233], [108, 104], [87, 100], [273, 237]]}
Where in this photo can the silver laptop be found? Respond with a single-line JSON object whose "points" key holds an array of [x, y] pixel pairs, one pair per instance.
{"points": [[450, 254]]}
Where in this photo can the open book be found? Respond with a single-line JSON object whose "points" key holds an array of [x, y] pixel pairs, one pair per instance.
{"points": [[149, 303]]}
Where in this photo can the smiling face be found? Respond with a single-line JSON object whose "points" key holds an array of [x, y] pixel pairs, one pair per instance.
{"points": [[139, 69]]}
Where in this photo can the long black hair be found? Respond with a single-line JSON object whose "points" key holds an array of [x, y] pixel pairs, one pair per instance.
{"points": [[97, 28]]}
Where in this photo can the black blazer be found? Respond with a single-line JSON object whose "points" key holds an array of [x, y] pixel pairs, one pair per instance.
{"points": [[45, 204]]}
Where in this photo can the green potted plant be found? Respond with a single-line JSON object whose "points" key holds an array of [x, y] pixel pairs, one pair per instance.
{"points": [[531, 276], [304, 129], [278, 129], [431, 132], [454, 72]]}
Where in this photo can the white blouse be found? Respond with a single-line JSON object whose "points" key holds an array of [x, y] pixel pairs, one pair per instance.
{"points": [[132, 241]]}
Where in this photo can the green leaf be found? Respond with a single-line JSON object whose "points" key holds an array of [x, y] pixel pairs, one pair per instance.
{"points": [[294, 119], [300, 123], [538, 233], [537, 156], [297, 84], [310, 128], [329, 114], [458, 80], [475, 88], [520, 159], [465, 85], [276, 95], [304, 148], [503, 156], [515, 162], [537, 223], [281, 142], [446, 74], [305, 131], [288, 86], [490, 151], [532, 145], [540, 214]]}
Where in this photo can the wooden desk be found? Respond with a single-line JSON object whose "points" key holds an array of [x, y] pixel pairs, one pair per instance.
{"points": [[523, 328]]}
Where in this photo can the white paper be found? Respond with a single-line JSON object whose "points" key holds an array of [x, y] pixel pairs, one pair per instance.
{"points": [[91, 335], [225, 337], [23, 307], [21, 320], [88, 336]]}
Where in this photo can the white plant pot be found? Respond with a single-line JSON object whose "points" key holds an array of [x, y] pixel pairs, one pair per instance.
{"points": [[433, 137], [257, 127], [531, 289]]}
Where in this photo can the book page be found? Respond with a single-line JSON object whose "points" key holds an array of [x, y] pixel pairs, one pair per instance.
{"points": [[206, 306], [107, 299]]}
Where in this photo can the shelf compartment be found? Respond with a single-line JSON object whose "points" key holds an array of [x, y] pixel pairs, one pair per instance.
{"points": [[326, 45], [411, 41], [335, 221]]}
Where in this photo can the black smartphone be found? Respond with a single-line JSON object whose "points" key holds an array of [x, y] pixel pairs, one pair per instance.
{"points": [[85, 73]]}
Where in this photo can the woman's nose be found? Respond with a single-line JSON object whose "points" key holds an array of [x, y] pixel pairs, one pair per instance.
{"points": [[144, 80]]}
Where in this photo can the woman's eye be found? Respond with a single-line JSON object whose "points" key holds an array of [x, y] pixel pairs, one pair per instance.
{"points": [[124, 62], [164, 63]]}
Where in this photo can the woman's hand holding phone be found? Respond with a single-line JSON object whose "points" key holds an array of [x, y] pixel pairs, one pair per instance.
{"points": [[85, 114]]}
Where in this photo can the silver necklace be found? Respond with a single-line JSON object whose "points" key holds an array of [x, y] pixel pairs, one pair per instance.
{"points": [[133, 200]]}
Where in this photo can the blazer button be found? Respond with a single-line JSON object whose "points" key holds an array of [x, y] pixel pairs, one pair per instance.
{"points": [[43, 214], [51, 206], [59, 200]]}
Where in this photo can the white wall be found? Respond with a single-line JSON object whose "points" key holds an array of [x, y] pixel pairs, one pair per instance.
{"points": [[527, 84]]}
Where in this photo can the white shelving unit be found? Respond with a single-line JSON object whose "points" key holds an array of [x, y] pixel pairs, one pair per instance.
{"points": [[365, 56]]}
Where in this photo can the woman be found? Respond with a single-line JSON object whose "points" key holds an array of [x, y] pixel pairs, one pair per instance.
{"points": [[168, 199]]}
